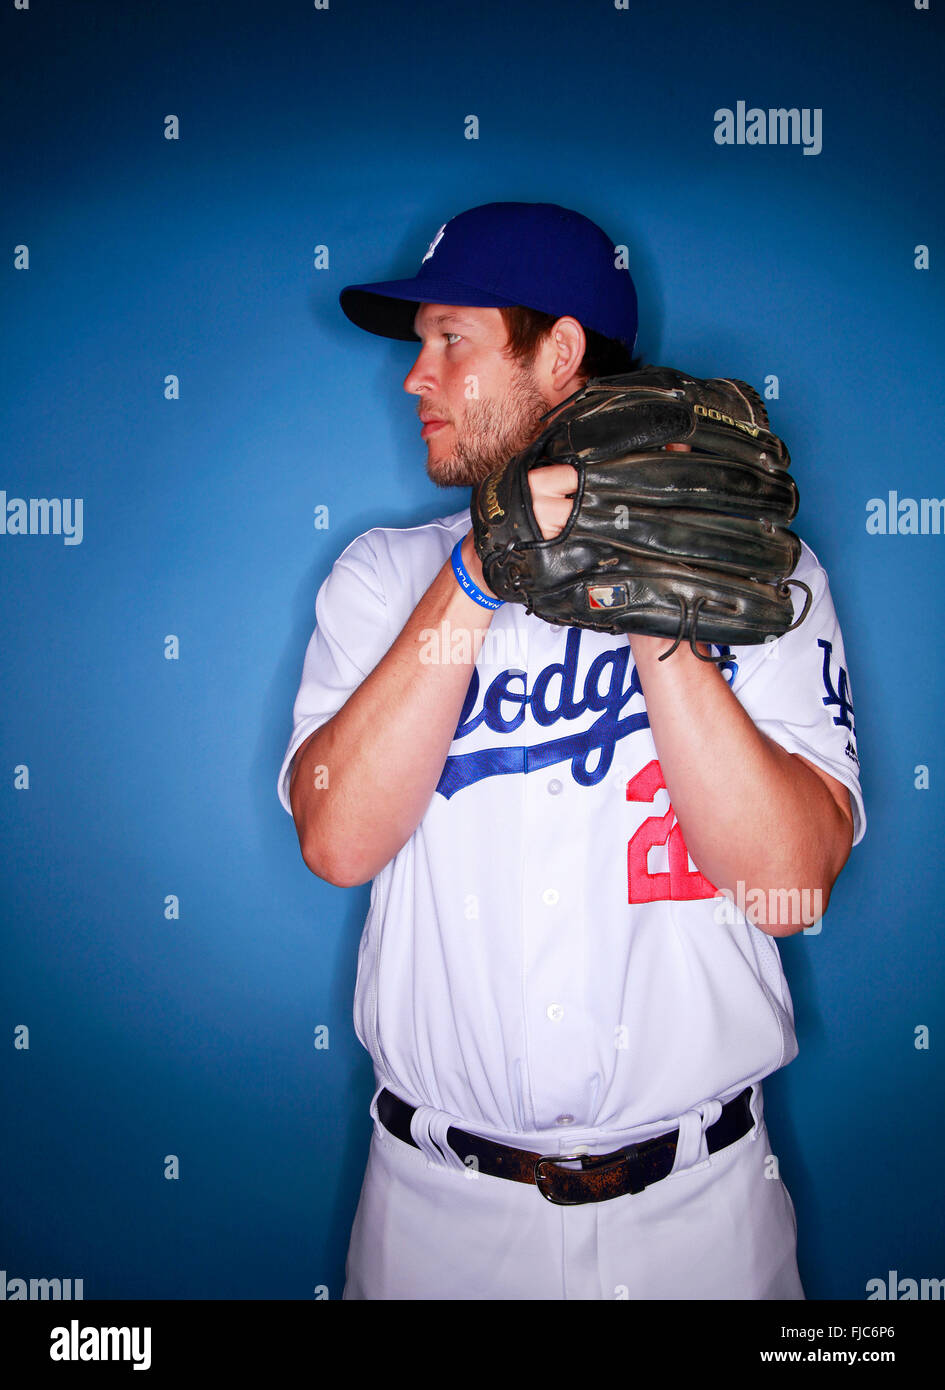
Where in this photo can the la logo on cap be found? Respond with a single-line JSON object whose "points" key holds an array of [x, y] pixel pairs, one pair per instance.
{"points": [[434, 243]]}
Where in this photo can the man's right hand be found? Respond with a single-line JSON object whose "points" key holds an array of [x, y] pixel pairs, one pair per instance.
{"points": [[552, 490]]}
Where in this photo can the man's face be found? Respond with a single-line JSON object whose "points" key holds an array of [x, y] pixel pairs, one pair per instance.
{"points": [[478, 405]]}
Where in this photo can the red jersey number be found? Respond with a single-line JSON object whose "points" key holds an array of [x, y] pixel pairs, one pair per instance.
{"points": [[681, 883]]}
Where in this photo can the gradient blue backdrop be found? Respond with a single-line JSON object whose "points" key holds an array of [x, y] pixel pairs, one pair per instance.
{"points": [[344, 127]]}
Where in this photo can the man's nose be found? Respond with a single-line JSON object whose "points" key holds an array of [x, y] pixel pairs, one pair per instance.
{"points": [[422, 375]]}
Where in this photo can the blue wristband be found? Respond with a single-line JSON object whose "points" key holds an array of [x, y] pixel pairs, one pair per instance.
{"points": [[466, 584]]}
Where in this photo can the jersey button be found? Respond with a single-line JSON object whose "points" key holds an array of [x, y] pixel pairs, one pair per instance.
{"points": [[550, 896], [555, 787], [565, 1120], [555, 1012]]}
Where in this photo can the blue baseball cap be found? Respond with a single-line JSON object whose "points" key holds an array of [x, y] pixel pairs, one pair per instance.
{"points": [[538, 255]]}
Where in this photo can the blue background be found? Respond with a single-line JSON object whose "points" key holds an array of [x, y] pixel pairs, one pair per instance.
{"points": [[344, 127]]}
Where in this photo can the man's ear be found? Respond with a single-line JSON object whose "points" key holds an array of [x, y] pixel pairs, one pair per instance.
{"points": [[560, 356]]}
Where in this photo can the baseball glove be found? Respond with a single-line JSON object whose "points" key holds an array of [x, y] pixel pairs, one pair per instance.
{"points": [[692, 545]]}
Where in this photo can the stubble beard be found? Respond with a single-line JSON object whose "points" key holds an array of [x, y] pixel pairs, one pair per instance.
{"points": [[492, 432]]}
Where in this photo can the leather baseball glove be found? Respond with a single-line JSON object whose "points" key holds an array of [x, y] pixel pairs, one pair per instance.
{"points": [[691, 545]]}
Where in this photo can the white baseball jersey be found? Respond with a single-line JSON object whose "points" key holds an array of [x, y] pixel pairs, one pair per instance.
{"points": [[542, 964]]}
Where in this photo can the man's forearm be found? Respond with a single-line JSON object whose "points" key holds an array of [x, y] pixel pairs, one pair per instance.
{"points": [[750, 812], [362, 783]]}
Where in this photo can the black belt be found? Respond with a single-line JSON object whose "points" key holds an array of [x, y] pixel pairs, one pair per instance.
{"points": [[600, 1177]]}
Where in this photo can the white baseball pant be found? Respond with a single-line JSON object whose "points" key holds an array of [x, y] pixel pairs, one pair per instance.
{"points": [[720, 1226]]}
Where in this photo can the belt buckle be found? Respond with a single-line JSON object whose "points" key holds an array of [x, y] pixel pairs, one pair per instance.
{"points": [[540, 1177], [588, 1161]]}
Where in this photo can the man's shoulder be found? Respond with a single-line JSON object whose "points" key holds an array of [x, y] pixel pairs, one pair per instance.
{"points": [[808, 567], [809, 570], [405, 545], [808, 560], [397, 563]]}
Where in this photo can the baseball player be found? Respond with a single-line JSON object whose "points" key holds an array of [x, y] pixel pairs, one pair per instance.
{"points": [[582, 856]]}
